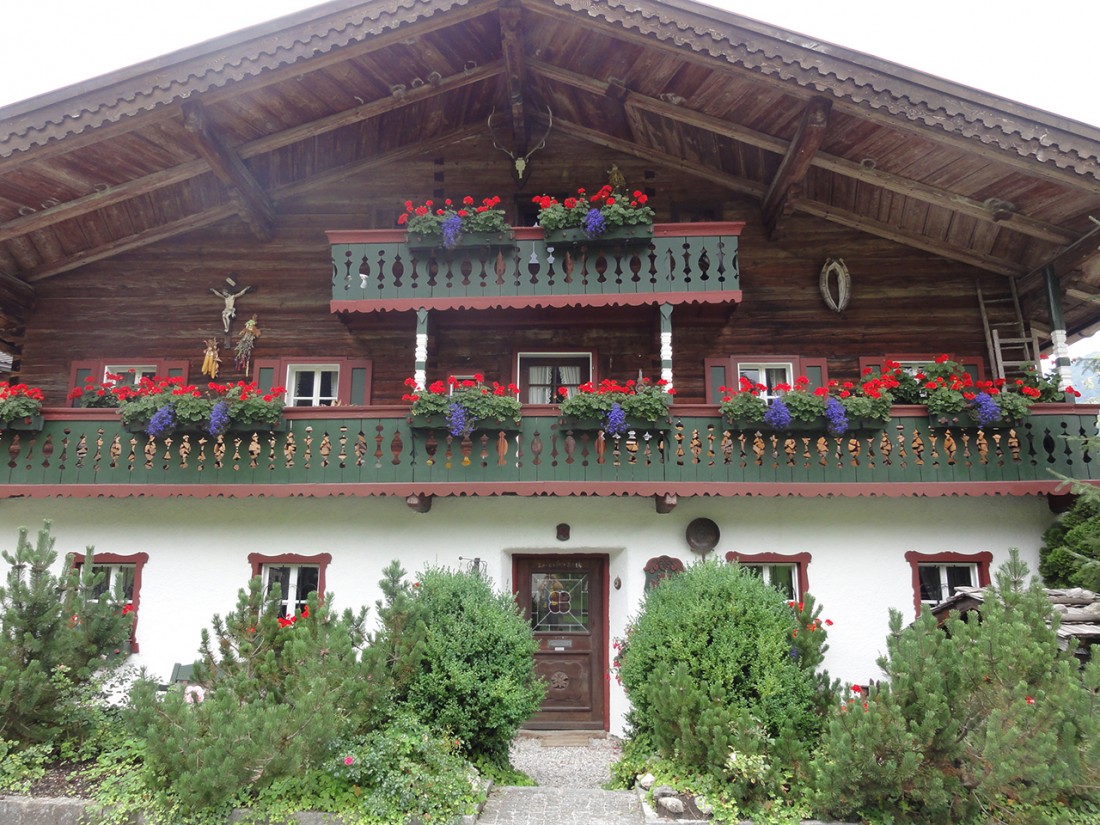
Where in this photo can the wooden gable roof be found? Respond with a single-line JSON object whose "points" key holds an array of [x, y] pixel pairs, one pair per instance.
{"points": [[225, 130]]}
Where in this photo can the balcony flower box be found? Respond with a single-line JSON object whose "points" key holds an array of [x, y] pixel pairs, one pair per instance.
{"points": [[439, 421], [467, 240], [617, 235], [31, 423], [965, 420], [630, 424]]}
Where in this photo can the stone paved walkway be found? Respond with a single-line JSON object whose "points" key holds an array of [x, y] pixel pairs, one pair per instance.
{"points": [[561, 806]]}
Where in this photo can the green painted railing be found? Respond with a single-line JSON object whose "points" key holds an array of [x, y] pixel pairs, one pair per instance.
{"points": [[378, 267], [377, 446]]}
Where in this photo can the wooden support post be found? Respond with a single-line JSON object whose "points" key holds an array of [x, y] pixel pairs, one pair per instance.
{"points": [[1058, 329], [666, 343], [420, 356], [419, 503]]}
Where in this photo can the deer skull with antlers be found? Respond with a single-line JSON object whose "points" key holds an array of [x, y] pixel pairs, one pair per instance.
{"points": [[520, 164]]}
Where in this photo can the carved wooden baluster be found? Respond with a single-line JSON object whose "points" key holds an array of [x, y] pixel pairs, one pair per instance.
{"points": [[342, 455], [236, 452], [916, 448], [185, 451], [601, 447], [727, 447], [397, 271], [290, 447], [219, 452], [378, 437], [483, 449], [150, 453], [397, 446], [466, 446], [466, 267], [570, 447], [325, 450], [115, 452], [431, 444], [855, 451], [14, 449], [502, 449], [47, 450], [448, 452], [360, 448], [695, 446], [757, 447], [1013, 440], [631, 445]]}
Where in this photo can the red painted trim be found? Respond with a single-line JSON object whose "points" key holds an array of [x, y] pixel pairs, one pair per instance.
{"points": [[322, 560], [802, 560], [732, 296], [928, 489], [535, 233], [138, 560], [982, 560]]}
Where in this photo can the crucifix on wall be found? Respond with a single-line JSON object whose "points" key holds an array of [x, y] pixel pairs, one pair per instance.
{"points": [[229, 311]]}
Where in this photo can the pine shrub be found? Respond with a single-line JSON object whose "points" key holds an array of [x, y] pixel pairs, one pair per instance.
{"points": [[978, 721], [721, 673], [272, 699], [1070, 555], [463, 659], [53, 640]]}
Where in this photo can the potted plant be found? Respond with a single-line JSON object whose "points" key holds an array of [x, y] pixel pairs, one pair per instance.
{"points": [[97, 396], [452, 225], [616, 408], [797, 408], [20, 407], [866, 404], [461, 406], [607, 215], [955, 398], [162, 406]]}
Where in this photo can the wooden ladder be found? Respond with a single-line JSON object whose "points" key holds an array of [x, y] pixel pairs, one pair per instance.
{"points": [[1013, 346]]}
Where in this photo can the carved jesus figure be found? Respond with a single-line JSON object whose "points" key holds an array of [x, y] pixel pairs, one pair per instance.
{"points": [[230, 311]]}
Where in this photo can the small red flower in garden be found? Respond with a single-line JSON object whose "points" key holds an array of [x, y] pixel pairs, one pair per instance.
{"points": [[286, 622], [1030, 700], [828, 622], [857, 689], [127, 609], [349, 760]]}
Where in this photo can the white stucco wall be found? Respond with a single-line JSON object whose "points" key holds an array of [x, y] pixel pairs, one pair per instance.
{"points": [[198, 549]]}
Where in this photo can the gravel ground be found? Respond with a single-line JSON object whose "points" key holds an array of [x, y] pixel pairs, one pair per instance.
{"points": [[566, 767]]}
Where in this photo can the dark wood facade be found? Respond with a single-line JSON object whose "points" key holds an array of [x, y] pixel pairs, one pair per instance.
{"points": [[124, 202]]}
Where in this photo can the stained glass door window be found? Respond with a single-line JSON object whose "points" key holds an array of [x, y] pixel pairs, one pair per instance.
{"points": [[559, 602]]}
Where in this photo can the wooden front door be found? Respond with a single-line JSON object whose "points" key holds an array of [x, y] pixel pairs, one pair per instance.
{"points": [[565, 600]]}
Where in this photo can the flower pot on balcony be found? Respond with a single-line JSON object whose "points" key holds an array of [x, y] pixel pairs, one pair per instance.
{"points": [[638, 425], [467, 240], [627, 235], [235, 428], [33, 423], [795, 426], [438, 421], [963, 420]]}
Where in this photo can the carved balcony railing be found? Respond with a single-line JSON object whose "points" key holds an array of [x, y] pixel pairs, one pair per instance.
{"points": [[374, 451], [375, 270]]}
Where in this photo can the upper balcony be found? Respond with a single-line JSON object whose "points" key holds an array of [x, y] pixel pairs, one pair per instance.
{"points": [[376, 270], [375, 451]]}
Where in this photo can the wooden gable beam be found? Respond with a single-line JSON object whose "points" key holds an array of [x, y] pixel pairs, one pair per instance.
{"points": [[184, 171], [513, 47], [252, 202], [831, 163], [787, 182], [211, 216]]}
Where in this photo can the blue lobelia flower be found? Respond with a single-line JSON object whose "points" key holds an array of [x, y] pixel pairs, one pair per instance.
{"points": [[986, 409], [616, 419], [219, 418], [459, 420], [777, 416], [452, 230], [836, 417], [162, 422], [594, 223]]}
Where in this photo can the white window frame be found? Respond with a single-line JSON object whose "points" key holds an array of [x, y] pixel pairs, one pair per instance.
{"points": [[289, 600], [548, 356], [138, 371], [766, 569], [762, 367], [315, 400], [945, 587], [113, 571]]}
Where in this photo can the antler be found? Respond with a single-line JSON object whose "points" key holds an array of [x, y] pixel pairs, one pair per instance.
{"points": [[520, 164]]}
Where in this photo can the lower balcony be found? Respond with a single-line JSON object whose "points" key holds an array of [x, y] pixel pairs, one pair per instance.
{"points": [[375, 451]]}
